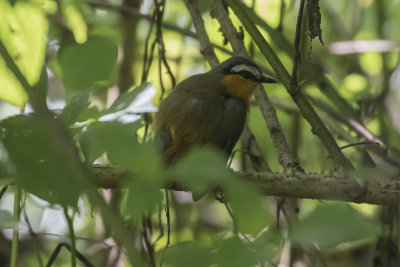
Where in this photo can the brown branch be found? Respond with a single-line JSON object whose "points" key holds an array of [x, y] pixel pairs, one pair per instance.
{"points": [[129, 42], [227, 27], [206, 47], [311, 185]]}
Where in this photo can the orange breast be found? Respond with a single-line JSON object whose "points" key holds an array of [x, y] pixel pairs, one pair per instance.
{"points": [[237, 86]]}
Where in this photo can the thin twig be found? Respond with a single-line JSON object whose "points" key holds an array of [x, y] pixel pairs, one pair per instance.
{"points": [[146, 235], [359, 144], [281, 15], [3, 190], [57, 250], [296, 45], [34, 237], [167, 214]]}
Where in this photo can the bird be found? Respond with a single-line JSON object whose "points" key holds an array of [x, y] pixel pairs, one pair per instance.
{"points": [[208, 108]]}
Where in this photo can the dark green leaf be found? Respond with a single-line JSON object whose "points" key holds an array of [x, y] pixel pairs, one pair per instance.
{"points": [[83, 65], [144, 196], [232, 252], [41, 87], [249, 211], [202, 169], [78, 110], [330, 225], [117, 139], [43, 168], [193, 254]]}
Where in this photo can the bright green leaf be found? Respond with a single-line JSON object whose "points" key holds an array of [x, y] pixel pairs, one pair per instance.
{"points": [[11, 90], [72, 11], [17, 23], [84, 65]]}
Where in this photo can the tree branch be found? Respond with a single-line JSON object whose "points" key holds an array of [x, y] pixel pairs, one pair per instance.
{"points": [[311, 185], [206, 48]]}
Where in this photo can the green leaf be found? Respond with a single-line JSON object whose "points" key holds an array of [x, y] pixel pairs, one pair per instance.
{"points": [[43, 169], [117, 139], [232, 252], [144, 196], [249, 211], [202, 169], [17, 23], [120, 143], [83, 65], [11, 90], [77, 109], [72, 10], [193, 254], [6, 220], [330, 225], [124, 100]]}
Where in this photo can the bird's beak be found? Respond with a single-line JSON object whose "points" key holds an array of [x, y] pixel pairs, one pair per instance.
{"points": [[267, 80]]}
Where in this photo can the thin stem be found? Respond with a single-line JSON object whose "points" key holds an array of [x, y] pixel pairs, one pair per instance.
{"points": [[17, 213], [71, 236]]}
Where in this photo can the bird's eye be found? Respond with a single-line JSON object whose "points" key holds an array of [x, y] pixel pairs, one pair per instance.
{"points": [[245, 74]]}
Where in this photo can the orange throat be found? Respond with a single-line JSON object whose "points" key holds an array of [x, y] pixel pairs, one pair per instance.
{"points": [[239, 87]]}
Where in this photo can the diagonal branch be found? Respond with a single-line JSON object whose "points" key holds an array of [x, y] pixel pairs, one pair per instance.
{"points": [[318, 128], [207, 49]]}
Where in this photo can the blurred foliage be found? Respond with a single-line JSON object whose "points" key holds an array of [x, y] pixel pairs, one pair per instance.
{"points": [[69, 52]]}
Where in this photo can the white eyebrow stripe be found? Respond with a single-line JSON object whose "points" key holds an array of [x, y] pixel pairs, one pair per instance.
{"points": [[243, 67]]}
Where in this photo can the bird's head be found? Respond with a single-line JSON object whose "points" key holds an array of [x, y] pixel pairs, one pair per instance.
{"points": [[241, 76]]}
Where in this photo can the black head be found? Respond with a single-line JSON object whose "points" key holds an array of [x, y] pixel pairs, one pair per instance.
{"points": [[244, 67]]}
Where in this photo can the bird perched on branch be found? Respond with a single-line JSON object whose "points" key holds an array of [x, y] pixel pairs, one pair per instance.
{"points": [[208, 108]]}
